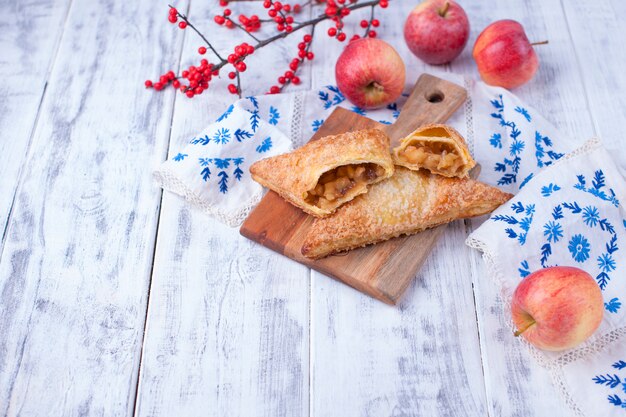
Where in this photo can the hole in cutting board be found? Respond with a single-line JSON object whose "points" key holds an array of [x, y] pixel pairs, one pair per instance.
{"points": [[434, 96]]}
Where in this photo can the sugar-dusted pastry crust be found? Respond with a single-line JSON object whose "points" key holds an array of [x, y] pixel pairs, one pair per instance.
{"points": [[407, 203], [437, 148], [324, 174]]}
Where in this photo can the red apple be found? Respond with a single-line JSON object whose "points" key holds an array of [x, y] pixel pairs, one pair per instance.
{"points": [[557, 308], [504, 55], [370, 73], [436, 31]]}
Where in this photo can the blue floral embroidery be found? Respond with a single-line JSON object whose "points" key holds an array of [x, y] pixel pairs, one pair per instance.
{"points": [[274, 115], [540, 151], [238, 173], [326, 98], [523, 223], [523, 112], [613, 381], [606, 263], [385, 122], [227, 113], [241, 135], [206, 172], [254, 120], [547, 190], [514, 150], [596, 189], [254, 114], [612, 306], [202, 141], [553, 231], [510, 165], [222, 164], [616, 401], [609, 380], [591, 215], [496, 140], [180, 157], [528, 178], [579, 248], [254, 101], [222, 136], [524, 271], [265, 146], [316, 124], [546, 251]]}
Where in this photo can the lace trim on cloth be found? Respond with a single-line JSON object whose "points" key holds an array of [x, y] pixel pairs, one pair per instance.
{"points": [[554, 366], [166, 179], [296, 120]]}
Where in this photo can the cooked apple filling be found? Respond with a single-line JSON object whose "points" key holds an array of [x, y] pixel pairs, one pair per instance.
{"points": [[342, 181], [433, 156]]}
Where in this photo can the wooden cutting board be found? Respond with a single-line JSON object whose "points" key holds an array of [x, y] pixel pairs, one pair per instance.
{"points": [[384, 270]]}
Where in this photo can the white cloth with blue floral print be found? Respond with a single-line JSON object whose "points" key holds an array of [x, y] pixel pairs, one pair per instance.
{"points": [[568, 209], [571, 214]]}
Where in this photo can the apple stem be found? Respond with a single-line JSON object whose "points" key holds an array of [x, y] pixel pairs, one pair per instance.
{"points": [[375, 86], [539, 43], [444, 10], [518, 332]]}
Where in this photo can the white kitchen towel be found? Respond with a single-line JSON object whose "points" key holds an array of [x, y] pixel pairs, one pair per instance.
{"points": [[567, 210], [570, 214]]}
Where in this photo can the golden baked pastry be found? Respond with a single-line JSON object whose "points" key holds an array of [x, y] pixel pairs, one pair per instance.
{"points": [[437, 148], [326, 173], [407, 203]]}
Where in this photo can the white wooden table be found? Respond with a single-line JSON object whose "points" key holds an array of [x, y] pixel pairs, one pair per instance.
{"points": [[118, 300]]}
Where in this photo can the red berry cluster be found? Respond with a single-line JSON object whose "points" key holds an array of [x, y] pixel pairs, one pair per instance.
{"points": [[281, 15], [250, 24], [197, 76], [236, 59], [278, 12], [290, 77], [173, 18], [224, 19], [365, 24]]}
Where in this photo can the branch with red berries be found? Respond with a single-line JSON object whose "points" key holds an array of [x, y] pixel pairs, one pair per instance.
{"points": [[196, 79]]}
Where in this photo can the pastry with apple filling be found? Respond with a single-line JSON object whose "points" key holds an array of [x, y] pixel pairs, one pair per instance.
{"points": [[438, 148], [324, 174], [407, 203]]}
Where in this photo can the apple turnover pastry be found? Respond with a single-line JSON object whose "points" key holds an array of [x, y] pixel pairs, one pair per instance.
{"points": [[407, 203], [437, 148], [326, 173]]}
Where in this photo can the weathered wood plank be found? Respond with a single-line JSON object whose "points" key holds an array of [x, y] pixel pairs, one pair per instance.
{"points": [[228, 320], [29, 38], [597, 32], [516, 385], [419, 358], [76, 263]]}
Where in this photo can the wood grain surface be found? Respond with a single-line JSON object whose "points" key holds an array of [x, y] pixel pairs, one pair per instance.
{"points": [[29, 43], [77, 258], [384, 270], [233, 328]]}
